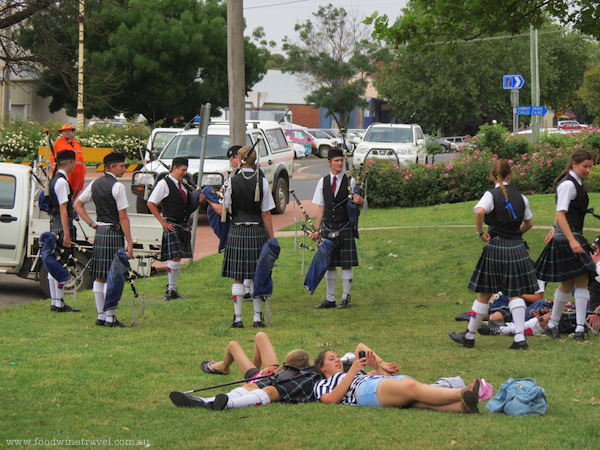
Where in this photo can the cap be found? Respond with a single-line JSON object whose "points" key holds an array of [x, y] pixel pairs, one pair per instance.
{"points": [[65, 155], [334, 153], [113, 158], [180, 161], [233, 151]]}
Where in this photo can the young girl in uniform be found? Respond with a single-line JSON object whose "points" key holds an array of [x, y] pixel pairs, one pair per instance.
{"points": [[505, 264], [566, 258]]}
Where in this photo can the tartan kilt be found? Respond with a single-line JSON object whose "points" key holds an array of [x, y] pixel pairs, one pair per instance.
{"points": [[558, 262], [172, 246], [298, 390], [106, 243], [56, 228], [505, 265], [244, 243], [346, 256]]}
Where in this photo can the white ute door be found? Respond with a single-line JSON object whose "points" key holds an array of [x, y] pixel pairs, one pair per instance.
{"points": [[13, 213]]}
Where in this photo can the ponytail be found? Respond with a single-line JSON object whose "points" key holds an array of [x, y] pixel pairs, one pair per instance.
{"points": [[577, 157]]}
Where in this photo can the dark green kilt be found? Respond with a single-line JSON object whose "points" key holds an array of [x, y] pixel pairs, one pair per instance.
{"points": [[106, 243]]}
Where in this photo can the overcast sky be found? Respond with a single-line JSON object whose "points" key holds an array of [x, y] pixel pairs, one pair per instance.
{"points": [[278, 17]]}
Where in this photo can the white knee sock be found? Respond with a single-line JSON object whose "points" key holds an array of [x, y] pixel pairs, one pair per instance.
{"points": [[237, 291], [517, 309], [256, 302], [99, 296], [582, 298], [560, 301], [253, 398], [330, 279], [110, 316], [248, 286], [174, 269], [480, 309], [347, 276], [52, 289], [237, 392], [60, 294]]}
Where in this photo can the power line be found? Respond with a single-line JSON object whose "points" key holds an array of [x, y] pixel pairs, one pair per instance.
{"points": [[274, 4]]}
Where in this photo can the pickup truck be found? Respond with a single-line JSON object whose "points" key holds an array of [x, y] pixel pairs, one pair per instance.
{"points": [[23, 222], [276, 159]]}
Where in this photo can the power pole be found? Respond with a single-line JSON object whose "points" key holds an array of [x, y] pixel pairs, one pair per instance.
{"points": [[535, 79], [236, 71], [80, 118]]}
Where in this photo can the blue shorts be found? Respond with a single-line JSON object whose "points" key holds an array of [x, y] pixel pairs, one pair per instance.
{"points": [[367, 391]]}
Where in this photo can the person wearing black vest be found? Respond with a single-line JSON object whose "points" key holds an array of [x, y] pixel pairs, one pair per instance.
{"points": [[173, 197], [251, 227], [61, 220], [505, 264], [112, 229], [566, 258], [331, 196]]}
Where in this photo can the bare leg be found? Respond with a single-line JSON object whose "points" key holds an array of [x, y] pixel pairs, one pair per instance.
{"points": [[264, 353], [399, 393], [454, 407], [236, 353]]}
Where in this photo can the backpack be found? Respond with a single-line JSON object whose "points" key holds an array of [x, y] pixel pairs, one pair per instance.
{"points": [[518, 398]]}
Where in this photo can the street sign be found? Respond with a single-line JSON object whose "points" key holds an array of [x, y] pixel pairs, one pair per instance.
{"points": [[512, 81], [258, 98], [531, 110]]}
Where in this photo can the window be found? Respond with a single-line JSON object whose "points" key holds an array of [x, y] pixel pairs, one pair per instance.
{"points": [[8, 185], [277, 140], [261, 146]]}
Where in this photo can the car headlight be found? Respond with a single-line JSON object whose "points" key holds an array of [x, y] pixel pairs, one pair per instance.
{"points": [[146, 178], [212, 179], [404, 151], [362, 149]]}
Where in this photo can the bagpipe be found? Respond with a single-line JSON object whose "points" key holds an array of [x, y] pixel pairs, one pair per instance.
{"points": [[360, 188]]}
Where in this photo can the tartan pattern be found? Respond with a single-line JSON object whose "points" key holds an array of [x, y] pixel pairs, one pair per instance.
{"points": [[558, 262], [106, 243], [56, 228], [298, 390], [505, 265], [347, 256], [172, 247], [242, 251]]}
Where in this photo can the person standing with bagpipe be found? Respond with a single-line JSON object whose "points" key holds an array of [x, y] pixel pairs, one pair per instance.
{"points": [[176, 240], [331, 196], [112, 229], [67, 142], [249, 199], [61, 220], [566, 258]]}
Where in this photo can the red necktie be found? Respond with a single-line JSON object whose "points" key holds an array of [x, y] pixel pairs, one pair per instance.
{"points": [[182, 193], [333, 185]]}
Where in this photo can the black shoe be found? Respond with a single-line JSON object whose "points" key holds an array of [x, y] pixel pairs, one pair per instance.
{"points": [[261, 322], [247, 297], [235, 324], [175, 295], [100, 322], [345, 303], [486, 330], [56, 308], [325, 304], [523, 345], [116, 323], [68, 308], [187, 401], [460, 338], [552, 332], [579, 336], [463, 317], [219, 403]]}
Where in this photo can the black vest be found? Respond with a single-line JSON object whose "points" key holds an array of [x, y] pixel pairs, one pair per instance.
{"points": [[243, 206], [500, 220], [576, 213], [594, 291], [339, 214], [173, 205], [106, 205], [54, 209]]}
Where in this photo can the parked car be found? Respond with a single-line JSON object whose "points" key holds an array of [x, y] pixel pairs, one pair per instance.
{"points": [[323, 141], [299, 150], [449, 147], [401, 143], [303, 138], [337, 135], [571, 126], [459, 141]]}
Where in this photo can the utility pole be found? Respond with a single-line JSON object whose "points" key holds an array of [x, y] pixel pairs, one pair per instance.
{"points": [[236, 71], [80, 118], [535, 78]]}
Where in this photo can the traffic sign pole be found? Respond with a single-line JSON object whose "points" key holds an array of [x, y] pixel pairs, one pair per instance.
{"points": [[514, 101]]}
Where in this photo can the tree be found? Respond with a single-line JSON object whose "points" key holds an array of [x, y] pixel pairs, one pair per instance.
{"points": [[590, 91], [164, 59], [457, 93], [331, 55]]}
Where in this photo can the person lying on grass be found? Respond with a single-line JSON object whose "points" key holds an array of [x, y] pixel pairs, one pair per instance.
{"points": [[292, 382], [356, 388]]}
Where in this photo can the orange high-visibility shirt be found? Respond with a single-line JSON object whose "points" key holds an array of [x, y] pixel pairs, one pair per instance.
{"points": [[77, 177]]}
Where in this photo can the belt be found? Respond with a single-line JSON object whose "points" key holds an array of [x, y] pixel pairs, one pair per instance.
{"points": [[251, 225]]}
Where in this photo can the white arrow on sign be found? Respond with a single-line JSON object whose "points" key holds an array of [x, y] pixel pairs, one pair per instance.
{"points": [[258, 98]]}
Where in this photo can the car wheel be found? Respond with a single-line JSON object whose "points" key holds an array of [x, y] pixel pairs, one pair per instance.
{"points": [[281, 195], [324, 151], [84, 282], [141, 207]]}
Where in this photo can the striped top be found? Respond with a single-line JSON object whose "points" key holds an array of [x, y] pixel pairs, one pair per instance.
{"points": [[326, 386]]}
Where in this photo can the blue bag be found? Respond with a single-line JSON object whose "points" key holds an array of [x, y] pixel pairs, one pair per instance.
{"points": [[521, 397]]}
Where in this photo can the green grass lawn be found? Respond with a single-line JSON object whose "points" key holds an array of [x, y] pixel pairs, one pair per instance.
{"points": [[64, 378]]}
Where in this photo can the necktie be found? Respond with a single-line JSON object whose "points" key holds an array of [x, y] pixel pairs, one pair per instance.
{"points": [[182, 193], [333, 185]]}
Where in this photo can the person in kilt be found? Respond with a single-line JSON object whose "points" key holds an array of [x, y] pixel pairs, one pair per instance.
{"points": [[174, 200], [330, 196], [61, 220], [505, 264], [112, 229], [566, 258], [249, 199]]}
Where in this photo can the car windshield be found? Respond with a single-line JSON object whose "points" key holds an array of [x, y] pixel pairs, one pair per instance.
{"points": [[398, 135], [161, 139], [330, 133], [319, 134], [189, 146]]}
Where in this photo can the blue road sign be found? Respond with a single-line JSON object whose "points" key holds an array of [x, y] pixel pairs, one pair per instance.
{"points": [[531, 110], [512, 81]]}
